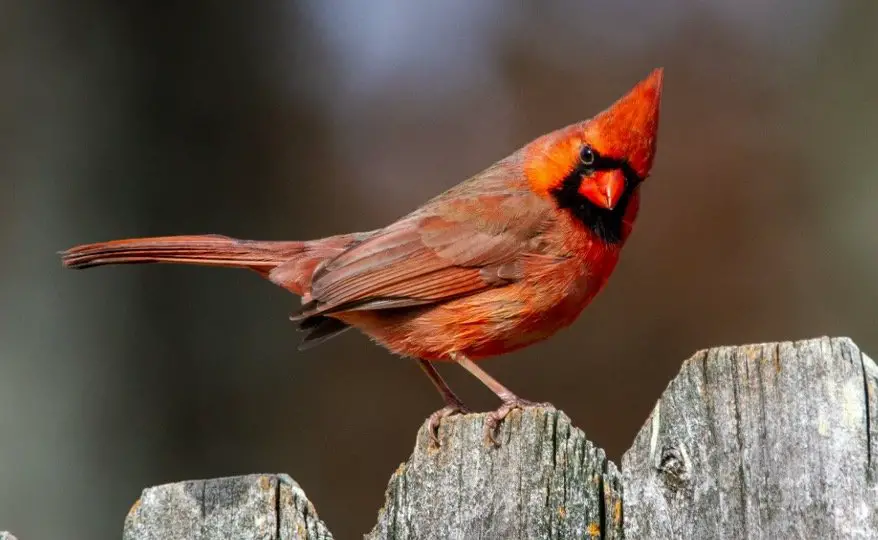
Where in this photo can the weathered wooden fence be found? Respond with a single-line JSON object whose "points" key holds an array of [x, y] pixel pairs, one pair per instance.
{"points": [[768, 441]]}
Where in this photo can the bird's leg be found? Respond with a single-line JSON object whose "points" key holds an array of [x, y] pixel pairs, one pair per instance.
{"points": [[453, 404], [510, 400]]}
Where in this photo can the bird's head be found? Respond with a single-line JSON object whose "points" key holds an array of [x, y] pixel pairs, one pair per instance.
{"points": [[593, 167]]}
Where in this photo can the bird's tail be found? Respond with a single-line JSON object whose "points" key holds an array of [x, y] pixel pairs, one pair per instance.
{"points": [[289, 264], [206, 250], [285, 263]]}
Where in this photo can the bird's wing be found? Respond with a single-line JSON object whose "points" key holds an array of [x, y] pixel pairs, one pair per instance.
{"points": [[460, 246]]}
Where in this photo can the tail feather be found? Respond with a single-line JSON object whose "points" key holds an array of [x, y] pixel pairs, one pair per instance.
{"points": [[287, 264], [320, 330], [208, 250]]}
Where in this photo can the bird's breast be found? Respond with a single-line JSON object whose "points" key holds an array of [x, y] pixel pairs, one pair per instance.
{"points": [[493, 321]]}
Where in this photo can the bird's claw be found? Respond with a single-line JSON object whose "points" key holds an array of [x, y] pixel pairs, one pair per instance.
{"points": [[436, 418], [496, 417]]}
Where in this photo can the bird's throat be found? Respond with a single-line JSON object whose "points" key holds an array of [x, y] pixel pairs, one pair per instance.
{"points": [[608, 225]]}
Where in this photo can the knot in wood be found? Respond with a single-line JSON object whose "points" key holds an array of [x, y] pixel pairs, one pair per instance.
{"points": [[674, 466]]}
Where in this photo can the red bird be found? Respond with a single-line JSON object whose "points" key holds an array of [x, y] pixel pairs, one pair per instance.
{"points": [[501, 261]]}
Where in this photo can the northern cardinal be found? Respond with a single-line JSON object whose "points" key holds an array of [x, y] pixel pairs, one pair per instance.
{"points": [[501, 261]]}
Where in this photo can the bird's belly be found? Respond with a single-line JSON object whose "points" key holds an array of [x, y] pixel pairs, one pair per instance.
{"points": [[488, 323]]}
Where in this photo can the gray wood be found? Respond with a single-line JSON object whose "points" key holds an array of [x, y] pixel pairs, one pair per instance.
{"points": [[770, 441], [546, 480], [257, 506]]}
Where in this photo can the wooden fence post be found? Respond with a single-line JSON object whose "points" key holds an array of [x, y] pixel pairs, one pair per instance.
{"points": [[768, 441], [765, 441]]}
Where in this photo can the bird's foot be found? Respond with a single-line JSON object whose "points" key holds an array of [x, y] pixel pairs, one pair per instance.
{"points": [[496, 417], [436, 418]]}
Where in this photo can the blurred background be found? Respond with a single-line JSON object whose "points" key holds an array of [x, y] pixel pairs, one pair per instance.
{"points": [[293, 120]]}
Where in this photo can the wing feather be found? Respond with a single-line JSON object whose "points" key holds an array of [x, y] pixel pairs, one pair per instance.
{"points": [[465, 245]]}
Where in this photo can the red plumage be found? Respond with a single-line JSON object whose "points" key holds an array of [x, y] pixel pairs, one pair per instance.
{"points": [[496, 263]]}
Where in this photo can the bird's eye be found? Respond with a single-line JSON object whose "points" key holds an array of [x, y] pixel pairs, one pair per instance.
{"points": [[586, 156]]}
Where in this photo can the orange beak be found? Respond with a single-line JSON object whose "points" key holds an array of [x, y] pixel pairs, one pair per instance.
{"points": [[627, 129], [604, 188]]}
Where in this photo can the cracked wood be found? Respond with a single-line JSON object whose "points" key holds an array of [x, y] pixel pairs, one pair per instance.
{"points": [[762, 441], [768, 441]]}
